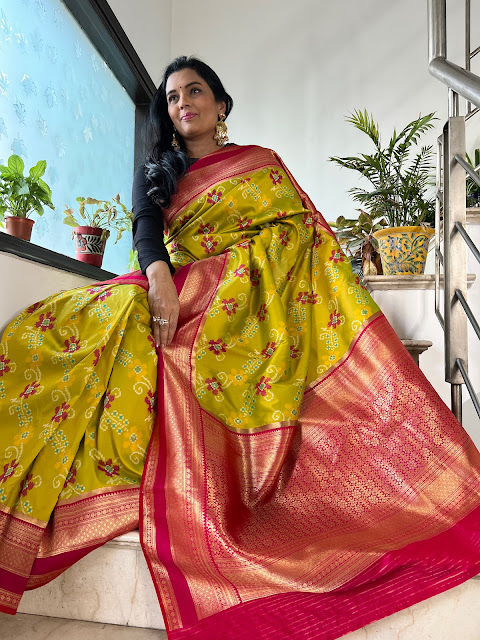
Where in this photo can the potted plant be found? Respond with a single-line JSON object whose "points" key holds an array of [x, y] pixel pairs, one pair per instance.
{"points": [[400, 191], [20, 196], [356, 237], [92, 226], [473, 190]]}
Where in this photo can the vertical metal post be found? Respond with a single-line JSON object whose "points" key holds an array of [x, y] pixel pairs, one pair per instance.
{"points": [[437, 29], [453, 103], [438, 223], [454, 269], [468, 47], [456, 391]]}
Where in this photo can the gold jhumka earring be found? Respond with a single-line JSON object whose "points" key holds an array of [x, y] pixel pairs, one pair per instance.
{"points": [[221, 131], [175, 142]]}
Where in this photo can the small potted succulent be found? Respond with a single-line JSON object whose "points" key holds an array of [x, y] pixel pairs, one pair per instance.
{"points": [[20, 196], [400, 191], [92, 226], [356, 238]]}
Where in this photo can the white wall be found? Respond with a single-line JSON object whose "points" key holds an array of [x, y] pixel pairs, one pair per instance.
{"points": [[148, 25], [24, 282], [295, 69]]}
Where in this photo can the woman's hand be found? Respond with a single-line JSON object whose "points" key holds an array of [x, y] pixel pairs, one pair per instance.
{"points": [[163, 302]]}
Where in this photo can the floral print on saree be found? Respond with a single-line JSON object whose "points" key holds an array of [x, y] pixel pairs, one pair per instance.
{"points": [[299, 476]]}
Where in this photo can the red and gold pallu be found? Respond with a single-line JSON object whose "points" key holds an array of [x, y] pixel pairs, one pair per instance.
{"points": [[302, 477]]}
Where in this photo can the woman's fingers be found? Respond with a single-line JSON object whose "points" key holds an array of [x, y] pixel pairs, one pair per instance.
{"points": [[163, 302], [163, 333], [156, 333]]}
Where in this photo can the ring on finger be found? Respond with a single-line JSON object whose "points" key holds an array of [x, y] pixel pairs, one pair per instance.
{"points": [[160, 321]]}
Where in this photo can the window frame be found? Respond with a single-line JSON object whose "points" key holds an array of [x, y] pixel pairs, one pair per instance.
{"points": [[101, 26]]}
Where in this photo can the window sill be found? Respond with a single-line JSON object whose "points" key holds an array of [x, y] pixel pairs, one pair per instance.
{"points": [[35, 253]]}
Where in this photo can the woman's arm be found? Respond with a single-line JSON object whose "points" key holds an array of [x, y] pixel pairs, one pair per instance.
{"points": [[154, 260], [147, 224]]}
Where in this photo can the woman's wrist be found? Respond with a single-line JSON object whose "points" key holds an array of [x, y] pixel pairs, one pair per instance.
{"points": [[158, 271]]}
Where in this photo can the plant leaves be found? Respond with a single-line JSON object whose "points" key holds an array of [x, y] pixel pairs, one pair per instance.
{"points": [[38, 170], [22, 189], [39, 209], [16, 165], [70, 221], [45, 187]]}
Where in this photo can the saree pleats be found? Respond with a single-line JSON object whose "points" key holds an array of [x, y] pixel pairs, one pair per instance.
{"points": [[302, 477], [78, 389]]}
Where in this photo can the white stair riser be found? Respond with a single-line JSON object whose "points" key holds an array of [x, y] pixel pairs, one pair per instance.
{"points": [[112, 584]]}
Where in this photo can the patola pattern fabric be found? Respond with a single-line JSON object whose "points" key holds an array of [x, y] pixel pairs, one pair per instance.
{"points": [[296, 474], [287, 293]]}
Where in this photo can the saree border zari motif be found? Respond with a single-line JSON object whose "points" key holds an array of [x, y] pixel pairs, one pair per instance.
{"points": [[222, 566]]}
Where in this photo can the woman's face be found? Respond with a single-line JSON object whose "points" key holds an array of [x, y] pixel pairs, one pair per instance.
{"points": [[191, 105]]}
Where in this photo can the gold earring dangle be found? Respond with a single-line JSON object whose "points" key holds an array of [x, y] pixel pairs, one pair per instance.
{"points": [[221, 130], [175, 142]]}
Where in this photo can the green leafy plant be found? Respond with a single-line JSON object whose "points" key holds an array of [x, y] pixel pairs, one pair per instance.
{"points": [[355, 235], [20, 195], [473, 190], [109, 215], [400, 182], [133, 263]]}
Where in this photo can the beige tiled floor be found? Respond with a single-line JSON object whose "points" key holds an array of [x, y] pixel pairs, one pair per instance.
{"points": [[28, 627]]}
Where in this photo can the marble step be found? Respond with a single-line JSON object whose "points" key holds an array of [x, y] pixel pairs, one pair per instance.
{"points": [[29, 627], [112, 585]]}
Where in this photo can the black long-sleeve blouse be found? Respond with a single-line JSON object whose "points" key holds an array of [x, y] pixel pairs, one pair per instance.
{"points": [[147, 224]]}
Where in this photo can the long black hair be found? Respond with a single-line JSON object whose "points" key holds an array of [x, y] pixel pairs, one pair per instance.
{"points": [[164, 166]]}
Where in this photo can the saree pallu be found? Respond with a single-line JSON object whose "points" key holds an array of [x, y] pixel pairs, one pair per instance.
{"points": [[296, 474]]}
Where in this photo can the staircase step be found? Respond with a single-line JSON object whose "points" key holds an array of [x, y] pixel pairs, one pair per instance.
{"points": [[113, 585], [27, 627]]}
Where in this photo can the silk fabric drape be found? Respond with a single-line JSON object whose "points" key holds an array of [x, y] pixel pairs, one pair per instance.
{"points": [[302, 478]]}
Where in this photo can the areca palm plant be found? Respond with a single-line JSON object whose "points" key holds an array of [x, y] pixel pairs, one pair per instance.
{"points": [[400, 181]]}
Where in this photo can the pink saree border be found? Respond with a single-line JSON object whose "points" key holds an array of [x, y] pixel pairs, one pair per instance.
{"points": [[134, 277], [61, 561], [377, 592], [16, 583], [256, 158], [162, 536], [220, 155]]}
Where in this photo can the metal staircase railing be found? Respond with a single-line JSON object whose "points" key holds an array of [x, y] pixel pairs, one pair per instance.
{"points": [[451, 201]]}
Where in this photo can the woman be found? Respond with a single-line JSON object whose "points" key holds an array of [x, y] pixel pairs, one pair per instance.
{"points": [[303, 478]]}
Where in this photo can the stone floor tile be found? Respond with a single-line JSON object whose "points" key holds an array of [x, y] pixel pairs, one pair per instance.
{"points": [[29, 627]]}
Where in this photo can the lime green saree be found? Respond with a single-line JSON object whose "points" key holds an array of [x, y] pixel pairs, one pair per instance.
{"points": [[293, 473]]}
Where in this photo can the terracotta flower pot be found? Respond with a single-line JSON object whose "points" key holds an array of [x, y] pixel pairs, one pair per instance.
{"points": [[403, 250], [19, 227], [89, 245]]}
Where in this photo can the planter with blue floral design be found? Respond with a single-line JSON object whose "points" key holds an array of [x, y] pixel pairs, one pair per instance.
{"points": [[403, 250], [89, 244]]}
